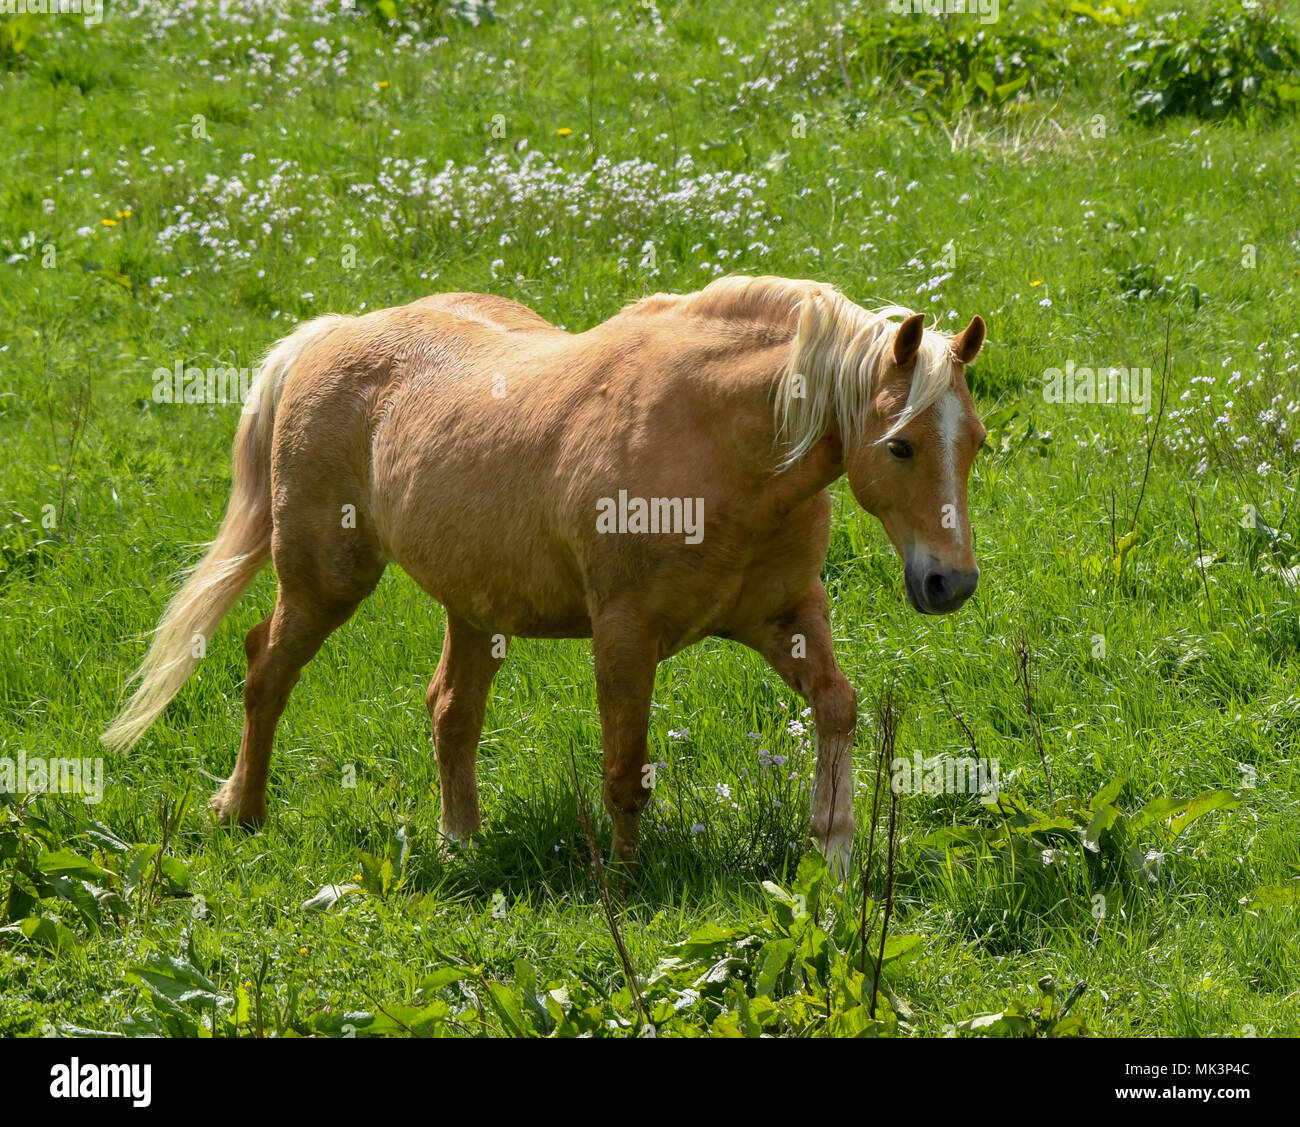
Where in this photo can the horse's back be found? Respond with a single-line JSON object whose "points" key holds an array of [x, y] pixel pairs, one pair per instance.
{"points": [[495, 312]]}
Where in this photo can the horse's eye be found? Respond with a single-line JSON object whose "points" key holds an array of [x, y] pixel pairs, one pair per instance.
{"points": [[900, 448]]}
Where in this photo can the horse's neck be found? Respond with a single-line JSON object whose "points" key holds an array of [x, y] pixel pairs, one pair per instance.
{"points": [[812, 473], [735, 373], [808, 475]]}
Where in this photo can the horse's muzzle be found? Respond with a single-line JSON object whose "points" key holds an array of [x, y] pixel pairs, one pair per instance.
{"points": [[934, 589]]}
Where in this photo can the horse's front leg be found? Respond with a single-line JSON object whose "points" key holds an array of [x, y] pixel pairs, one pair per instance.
{"points": [[626, 658], [797, 644]]}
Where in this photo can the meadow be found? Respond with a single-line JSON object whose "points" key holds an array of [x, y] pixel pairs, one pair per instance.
{"points": [[187, 180]]}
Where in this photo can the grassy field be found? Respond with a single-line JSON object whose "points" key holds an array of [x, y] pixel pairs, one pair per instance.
{"points": [[185, 182]]}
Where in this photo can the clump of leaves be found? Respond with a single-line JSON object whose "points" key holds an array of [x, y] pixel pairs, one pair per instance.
{"points": [[1113, 13], [182, 1001], [1143, 281], [956, 63], [430, 14], [1226, 65], [16, 35], [1115, 846], [50, 894], [1013, 427], [795, 971], [46, 887], [792, 971], [1046, 1017]]}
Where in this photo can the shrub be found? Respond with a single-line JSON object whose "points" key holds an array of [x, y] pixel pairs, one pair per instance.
{"points": [[1226, 65], [957, 62], [16, 34], [430, 13]]}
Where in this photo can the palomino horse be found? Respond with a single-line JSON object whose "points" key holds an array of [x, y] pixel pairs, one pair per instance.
{"points": [[654, 480]]}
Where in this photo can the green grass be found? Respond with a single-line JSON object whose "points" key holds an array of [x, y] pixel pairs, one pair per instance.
{"points": [[301, 200]]}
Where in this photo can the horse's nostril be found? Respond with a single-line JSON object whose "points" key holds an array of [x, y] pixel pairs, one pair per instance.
{"points": [[936, 588]]}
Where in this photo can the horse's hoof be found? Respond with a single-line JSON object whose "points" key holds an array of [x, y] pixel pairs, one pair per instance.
{"points": [[622, 866], [232, 810], [838, 850], [451, 848]]}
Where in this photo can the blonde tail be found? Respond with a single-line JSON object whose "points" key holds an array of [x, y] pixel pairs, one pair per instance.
{"points": [[240, 551]]}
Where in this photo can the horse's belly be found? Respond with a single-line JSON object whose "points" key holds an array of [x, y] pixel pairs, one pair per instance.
{"points": [[495, 583], [514, 611]]}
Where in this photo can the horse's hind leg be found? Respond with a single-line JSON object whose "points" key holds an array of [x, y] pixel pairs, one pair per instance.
{"points": [[457, 702], [323, 579]]}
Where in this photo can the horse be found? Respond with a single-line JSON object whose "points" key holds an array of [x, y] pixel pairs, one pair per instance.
{"points": [[657, 479]]}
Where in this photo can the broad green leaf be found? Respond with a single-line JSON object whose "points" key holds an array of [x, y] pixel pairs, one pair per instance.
{"points": [[80, 895], [1001, 417], [526, 988], [1273, 895], [809, 877], [1145, 863], [373, 877], [1059, 823], [178, 980], [814, 956], [772, 963], [63, 862], [1201, 805], [1158, 810], [726, 1025], [137, 865], [405, 1021], [106, 838], [507, 1006], [445, 976], [718, 974], [854, 1021], [1072, 1025], [1008, 88], [1102, 821], [706, 940], [896, 946], [175, 873], [958, 835], [43, 932], [1108, 793], [740, 1007], [763, 1010]]}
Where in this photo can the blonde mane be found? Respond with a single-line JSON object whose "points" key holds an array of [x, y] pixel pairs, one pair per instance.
{"points": [[838, 353]]}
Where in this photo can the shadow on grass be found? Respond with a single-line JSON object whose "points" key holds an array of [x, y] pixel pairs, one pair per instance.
{"points": [[534, 845]]}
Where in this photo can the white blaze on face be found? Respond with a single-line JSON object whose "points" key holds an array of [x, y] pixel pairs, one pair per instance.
{"points": [[949, 414]]}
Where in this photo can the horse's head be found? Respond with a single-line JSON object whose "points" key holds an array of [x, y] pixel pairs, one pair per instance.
{"points": [[908, 467]]}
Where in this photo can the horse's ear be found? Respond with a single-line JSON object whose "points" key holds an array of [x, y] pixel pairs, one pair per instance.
{"points": [[908, 341], [967, 346]]}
